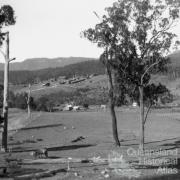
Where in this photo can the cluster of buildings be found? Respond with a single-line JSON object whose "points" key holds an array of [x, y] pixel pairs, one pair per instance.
{"points": [[63, 80]]}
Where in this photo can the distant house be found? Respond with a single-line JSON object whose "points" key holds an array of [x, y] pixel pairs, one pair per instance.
{"points": [[75, 108], [61, 77], [77, 81], [103, 106], [62, 82], [134, 104], [46, 84], [91, 75], [68, 107]]}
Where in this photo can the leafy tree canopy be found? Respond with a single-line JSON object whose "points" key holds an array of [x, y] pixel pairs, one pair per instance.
{"points": [[136, 36], [7, 18]]}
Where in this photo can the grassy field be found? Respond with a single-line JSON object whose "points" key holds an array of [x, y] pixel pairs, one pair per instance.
{"points": [[18, 118], [59, 133]]}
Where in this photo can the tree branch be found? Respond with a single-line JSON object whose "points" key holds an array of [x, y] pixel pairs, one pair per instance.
{"points": [[97, 15], [153, 38], [11, 60], [147, 112], [148, 70]]}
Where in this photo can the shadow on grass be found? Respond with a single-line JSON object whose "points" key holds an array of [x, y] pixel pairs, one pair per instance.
{"points": [[70, 147], [58, 148], [22, 142], [151, 142], [15, 143], [37, 127], [14, 172], [21, 149], [175, 144]]}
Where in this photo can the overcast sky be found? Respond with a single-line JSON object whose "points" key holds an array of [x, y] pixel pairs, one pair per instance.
{"points": [[51, 28]]}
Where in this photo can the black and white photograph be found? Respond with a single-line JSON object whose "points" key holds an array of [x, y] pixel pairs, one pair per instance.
{"points": [[90, 89]]}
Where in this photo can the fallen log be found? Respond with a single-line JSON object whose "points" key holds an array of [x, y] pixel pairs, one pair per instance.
{"points": [[64, 160], [48, 173]]}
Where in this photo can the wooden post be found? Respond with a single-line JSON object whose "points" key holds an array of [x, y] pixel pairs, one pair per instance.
{"points": [[5, 101]]}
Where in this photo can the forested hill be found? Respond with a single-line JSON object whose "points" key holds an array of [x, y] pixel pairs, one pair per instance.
{"points": [[82, 68], [86, 67], [44, 63]]}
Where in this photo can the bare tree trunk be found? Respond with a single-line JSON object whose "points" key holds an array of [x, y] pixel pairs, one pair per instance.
{"points": [[141, 100], [112, 111], [5, 101]]}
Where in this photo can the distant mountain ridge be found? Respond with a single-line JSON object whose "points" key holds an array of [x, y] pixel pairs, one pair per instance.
{"points": [[42, 69], [81, 68], [34, 64], [44, 63]]}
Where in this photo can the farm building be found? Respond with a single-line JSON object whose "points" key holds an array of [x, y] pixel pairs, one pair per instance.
{"points": [[68, 107]]}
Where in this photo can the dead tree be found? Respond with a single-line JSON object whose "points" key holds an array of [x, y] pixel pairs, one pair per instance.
{"points": [[6, 92]]}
